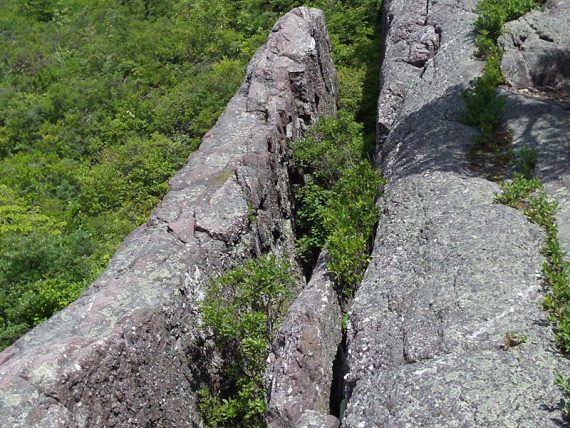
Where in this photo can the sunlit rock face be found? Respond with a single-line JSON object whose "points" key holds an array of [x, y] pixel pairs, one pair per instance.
{"points": [[129, 351], [452, 273]]}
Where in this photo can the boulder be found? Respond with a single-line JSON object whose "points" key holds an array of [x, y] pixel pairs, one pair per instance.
{"points": [[446, 328], [304, 351], [129, 351], [537, 49]]}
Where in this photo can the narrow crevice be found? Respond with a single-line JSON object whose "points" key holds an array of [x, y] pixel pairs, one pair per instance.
{"points": [[338, 401]]}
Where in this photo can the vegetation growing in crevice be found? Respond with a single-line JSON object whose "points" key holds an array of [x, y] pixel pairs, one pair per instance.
{"points": [[529, 196], [337, 205], [336, 210], [243, 309], [483, 106]]}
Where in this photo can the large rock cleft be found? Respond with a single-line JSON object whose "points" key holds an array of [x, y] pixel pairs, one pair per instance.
{"points": [[129, 351], [454, 276]]}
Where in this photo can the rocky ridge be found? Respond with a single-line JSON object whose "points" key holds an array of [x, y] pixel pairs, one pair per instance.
{"points": [[303, 356], [130, 350], [453, 274]]}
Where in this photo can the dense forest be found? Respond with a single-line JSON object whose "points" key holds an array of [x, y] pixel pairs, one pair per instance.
{"points": [[102, 101]]}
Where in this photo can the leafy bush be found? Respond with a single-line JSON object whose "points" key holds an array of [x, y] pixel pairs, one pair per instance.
{"points": [[243, 308], [525, 161], [484, 108], [337, 205], [492, 16]]}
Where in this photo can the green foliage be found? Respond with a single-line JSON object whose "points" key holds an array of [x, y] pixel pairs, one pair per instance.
{"points": [[525, 161], [97, 112], [516, 192], [337, 207], [483, 106], [564, 384], [243, 308], [492, 16], [350, 219]]}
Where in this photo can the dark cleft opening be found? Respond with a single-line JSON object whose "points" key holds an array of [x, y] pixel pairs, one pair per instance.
{"points": [[340, 368]]}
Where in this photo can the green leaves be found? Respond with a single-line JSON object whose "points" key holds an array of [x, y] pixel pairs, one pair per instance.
{"points": [[243, 308], [493, 14], [102, 101], [337, 203]]}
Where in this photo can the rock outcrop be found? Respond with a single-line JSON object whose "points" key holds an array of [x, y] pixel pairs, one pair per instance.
{"points": [[453, 275], [537, 49], [129, 351], [304, 352], [543, 125], [538, 111]]}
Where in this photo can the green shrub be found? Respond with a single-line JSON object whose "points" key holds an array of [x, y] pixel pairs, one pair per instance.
{"points": [[350, 218], [483, 106], [525, 161], [97, 112], [243, 308], [492, 16], [337, 205], [564, 385]]}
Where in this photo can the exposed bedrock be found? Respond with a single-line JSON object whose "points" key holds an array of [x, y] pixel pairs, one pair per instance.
{"points": [[544, 126], [453, 276], [303, 355], [129, 352], [537, 65], [409, 42], [537, 49]]}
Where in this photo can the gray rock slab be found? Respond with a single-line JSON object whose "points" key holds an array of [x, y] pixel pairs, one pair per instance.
{"points": [[537, 49], [312, 419], [129, 351], [544, 126], [452, 273], [301, 370], [425, 132]]}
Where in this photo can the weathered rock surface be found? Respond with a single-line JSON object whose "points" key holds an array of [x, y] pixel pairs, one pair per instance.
{"points": [[452, 273], [409, 42], [537, 48], [128, 352], [304, 352], [544, 126], [537, 61], [312, 419]]}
